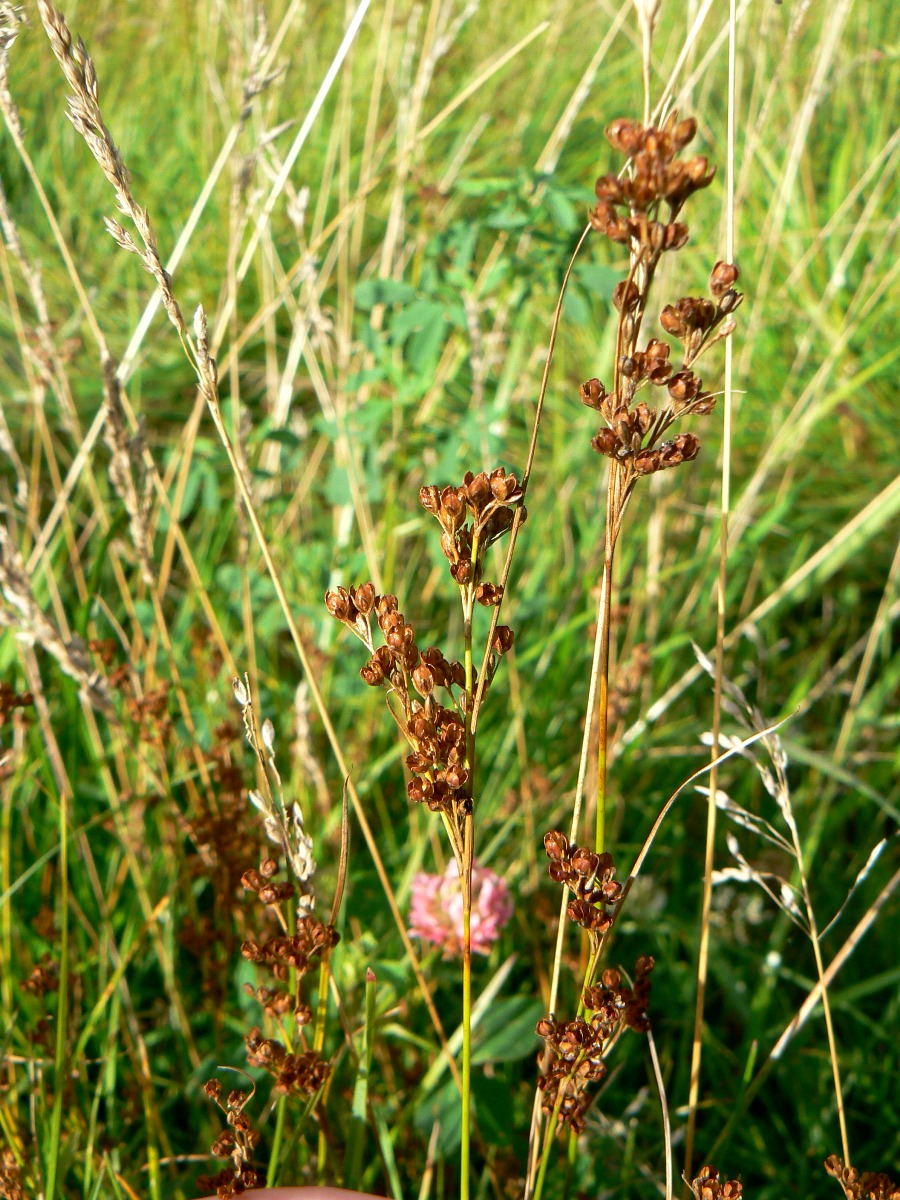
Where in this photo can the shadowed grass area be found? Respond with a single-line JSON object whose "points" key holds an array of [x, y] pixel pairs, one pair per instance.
{"points": [[388, 331]]}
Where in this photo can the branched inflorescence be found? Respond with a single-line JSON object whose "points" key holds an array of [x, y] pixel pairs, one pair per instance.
{"points": [[577, 1048], [472, 517], [652, 389], [640, 210], [589, 876], [299, 1070], [709, 1186], [862, 1185], [237, 1142]]}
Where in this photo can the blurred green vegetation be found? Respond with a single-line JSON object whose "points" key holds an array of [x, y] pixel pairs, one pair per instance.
{"points": [[390, 332]]}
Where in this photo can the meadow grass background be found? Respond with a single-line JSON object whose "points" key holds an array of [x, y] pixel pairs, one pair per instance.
{"points": [[389, 333]]}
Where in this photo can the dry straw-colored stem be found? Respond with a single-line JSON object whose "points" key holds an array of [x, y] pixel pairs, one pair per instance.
{"points": [[719, 658], [88, 119]]}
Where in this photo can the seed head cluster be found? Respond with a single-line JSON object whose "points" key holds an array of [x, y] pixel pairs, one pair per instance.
{"points": [[237, 1142], [472, 517], [639, 209], [578, 1048], [709, 1186], [589, 876], [297, 1070], [862, 1185]]}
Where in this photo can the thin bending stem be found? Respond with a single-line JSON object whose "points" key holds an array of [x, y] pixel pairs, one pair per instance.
{"points": [[711, 810], [609, 552], [526, 475]]}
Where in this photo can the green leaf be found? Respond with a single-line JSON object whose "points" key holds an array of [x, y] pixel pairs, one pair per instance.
{"points": [[370, 292], [419, 315], [597, 279], [506, 1032]]}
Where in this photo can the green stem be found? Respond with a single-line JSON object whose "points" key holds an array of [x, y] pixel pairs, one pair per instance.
{"points": [[321, 1005], [59, 1073], [277, 1139], [467, 1022], [609, 551], [549, 1135], [466, 888]]}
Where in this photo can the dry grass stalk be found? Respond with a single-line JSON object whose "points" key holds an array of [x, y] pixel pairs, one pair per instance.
{"points": [[128, 472], [22, 613]]}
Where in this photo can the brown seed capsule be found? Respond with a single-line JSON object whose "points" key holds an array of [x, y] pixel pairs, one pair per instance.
{"points": [[489, 594], [618, 230], [624, 135], [453, 509], [626, 295], [364, 597], [593, 393], [504, 487], [456, 777], [556, 845], [609, 188], [477, 490], [647, 462], [430, 498], [606, 442], [385, 605], [503, 640], [462, 571], [585, 862], [684, 132], [723, 276], [676, 236], [339, 604], [672, 321], [423, 680], [684, 386]]}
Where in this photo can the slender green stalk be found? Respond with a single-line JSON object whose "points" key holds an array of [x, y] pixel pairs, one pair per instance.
{"points": [[609, 551], [721, 585], [277, 1139], [549, 1135], [60, 1063], [467, 1016], [360, 1102], [466, 888]]}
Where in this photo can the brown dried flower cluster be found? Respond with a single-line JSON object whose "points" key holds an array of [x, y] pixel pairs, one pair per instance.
{"points": [[285, 953], [282, 954], [300, 1074], [485, 500], [709, 1186], [862, 1185], [10, 699], [303, 1071], [578, 1048], [11, 1184], [237, 1142], [589, 876], [435, 732], [44, 978], [639, 210]]}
